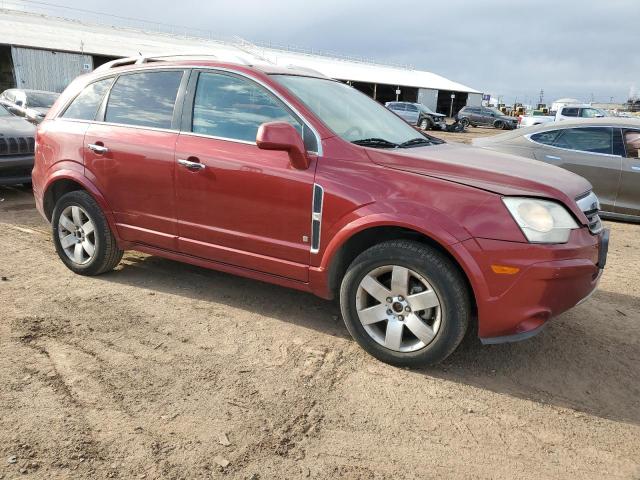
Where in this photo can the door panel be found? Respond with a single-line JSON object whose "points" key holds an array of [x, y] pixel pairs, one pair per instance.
{"points": [[136, 176], [247, 207], [601, 169]]}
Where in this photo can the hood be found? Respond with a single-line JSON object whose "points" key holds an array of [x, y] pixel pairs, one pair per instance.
{"points": [[16, 127], [485, 169]]}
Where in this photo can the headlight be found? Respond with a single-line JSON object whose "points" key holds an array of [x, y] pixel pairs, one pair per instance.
{"points": [[541, 221]]}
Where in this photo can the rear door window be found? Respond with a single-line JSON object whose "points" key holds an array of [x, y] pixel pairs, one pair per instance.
{"points": [[570, 112], [411, 108], [229, 107], [144, 99], [594, 140], [85, 106]]}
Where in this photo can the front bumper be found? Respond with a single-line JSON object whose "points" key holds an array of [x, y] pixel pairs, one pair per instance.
{"points": [[551, 279], [15, 169]]}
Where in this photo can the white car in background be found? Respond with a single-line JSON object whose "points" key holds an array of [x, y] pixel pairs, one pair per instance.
{"points": [[566, 112]]}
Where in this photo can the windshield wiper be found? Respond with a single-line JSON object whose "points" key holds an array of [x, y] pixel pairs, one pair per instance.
{"points": [[375, 142], [415, 142]]}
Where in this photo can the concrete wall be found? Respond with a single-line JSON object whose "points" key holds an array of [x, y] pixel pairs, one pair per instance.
{"points": [[47, 69], [428, 97]]}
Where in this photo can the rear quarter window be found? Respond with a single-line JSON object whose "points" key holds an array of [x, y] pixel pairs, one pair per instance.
{"points": [[545, 138], [85, 106]]}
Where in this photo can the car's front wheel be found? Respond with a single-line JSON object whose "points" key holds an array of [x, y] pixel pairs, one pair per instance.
{"points": [[464, 122], [405, 303], [82, 236], [425, 124]]}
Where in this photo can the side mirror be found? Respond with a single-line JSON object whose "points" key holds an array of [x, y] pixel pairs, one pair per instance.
{"points": [[283, 136]]}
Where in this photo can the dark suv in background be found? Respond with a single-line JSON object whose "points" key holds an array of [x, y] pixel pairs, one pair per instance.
{"points": [[485, 116], [418, 114]]}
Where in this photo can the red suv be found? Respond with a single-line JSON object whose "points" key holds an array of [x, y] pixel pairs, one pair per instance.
{"points": [[288, 177]]}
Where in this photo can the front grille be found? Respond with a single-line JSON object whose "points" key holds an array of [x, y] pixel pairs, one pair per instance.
{"points": [[590, 206], [16, 145]]}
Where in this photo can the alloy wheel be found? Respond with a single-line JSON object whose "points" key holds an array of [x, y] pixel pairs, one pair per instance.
{"points": [[398, 308], [76, 232]]}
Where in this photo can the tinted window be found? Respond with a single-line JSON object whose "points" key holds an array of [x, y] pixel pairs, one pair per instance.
{"points": [[570, 112], [546, 138], [85, 106], [230, 107], [41, 99], [397, 106], [412, 108], [145, 99], [471, 110], [596, 140]]}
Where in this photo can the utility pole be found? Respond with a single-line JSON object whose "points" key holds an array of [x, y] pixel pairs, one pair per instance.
{"points": [[541, 96]]}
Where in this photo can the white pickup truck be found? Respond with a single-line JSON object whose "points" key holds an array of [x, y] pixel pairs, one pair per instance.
{"points": [[566, 112]]}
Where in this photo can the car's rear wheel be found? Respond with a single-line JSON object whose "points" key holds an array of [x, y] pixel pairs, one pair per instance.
{"points": [[82, 236], [405, 303]]}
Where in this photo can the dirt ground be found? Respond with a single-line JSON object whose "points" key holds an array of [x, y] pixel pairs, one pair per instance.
{"points": [[164, 370]]}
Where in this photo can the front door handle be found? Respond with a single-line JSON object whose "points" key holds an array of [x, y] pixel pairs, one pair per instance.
{"points": [[99, 149], [191, 165]]}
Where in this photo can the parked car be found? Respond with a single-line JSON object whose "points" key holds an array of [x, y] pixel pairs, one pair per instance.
{"points": [[571, 112], [16, 148], [418, 115], [286, 176], [31, 104], [603, 150], [486, 116], [534, 118]]}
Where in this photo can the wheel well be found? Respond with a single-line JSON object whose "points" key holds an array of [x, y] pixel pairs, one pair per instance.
{"points": [[365, 239], [57, 190]]}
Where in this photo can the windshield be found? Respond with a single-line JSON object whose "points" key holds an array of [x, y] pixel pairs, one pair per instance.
{"points": [[351, 114], [4, 112], [426, 109], [41, 99]]}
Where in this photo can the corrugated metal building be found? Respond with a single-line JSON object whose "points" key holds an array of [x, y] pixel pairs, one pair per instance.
{"points": [[46, 53]]}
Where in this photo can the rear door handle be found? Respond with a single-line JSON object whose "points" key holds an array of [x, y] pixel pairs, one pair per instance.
{"points": [[191, 165], [552, 157], [100, 149]]}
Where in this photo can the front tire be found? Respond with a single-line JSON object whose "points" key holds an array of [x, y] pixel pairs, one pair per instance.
{"points": [[84, 242], [465, 122], [405, 303], [425, 125], [499, 125]]}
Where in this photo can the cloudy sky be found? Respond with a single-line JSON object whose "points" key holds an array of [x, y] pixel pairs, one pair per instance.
{"points": [[513, 48]]}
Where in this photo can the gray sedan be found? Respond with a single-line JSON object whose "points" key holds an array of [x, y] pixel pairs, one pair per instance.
{"points": [[602, 150]]}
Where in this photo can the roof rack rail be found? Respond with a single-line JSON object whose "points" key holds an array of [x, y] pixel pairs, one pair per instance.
{"points": [[120, 62]]}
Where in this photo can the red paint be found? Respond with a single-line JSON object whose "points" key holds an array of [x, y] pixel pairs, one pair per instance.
{"points": [[248, 211]]}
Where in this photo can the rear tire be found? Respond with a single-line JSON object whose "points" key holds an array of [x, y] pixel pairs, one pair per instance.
{"points": [[84, 242], [421, 313]]}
